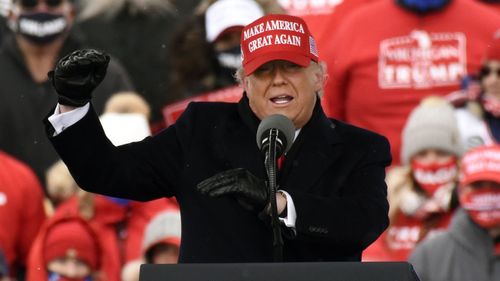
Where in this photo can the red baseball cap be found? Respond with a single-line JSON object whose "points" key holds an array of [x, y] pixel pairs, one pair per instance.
{"points": [[277, 37], [481, 164], [493, 48]]}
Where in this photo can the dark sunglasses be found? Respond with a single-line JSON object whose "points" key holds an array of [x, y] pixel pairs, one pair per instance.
{"points": [[485, 71], [34, 3]]}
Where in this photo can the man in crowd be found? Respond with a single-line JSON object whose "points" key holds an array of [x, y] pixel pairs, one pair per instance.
{"points": [[332, 196], [42, 33], [393, 53]]}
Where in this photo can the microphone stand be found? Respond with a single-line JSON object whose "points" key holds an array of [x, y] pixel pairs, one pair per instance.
{"points": [[270, 163]]}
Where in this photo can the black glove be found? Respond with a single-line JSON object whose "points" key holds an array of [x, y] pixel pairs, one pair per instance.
{"points": [[76, 75], [251, 192]]}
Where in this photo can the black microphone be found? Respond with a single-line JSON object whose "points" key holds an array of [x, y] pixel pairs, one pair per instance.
{"points": [[274, 137], [280, 126]]}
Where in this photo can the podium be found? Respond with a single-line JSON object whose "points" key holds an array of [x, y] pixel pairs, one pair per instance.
{"points": [[317, 271]]}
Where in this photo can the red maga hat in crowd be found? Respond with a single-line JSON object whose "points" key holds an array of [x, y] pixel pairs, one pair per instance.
{"points": [[493, 48], [481, 164]]}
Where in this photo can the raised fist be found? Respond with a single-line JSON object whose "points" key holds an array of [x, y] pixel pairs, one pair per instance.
{"points": [[76, 75]]}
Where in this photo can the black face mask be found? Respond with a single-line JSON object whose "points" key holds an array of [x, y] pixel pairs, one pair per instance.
{"points": [[41, 28], [229, 61], [230, 58]]}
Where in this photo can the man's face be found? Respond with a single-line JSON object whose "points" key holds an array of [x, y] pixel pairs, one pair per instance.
{"points": [[282, 87]]}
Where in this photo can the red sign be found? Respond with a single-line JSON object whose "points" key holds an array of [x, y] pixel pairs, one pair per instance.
{"points": [[422, 60]]}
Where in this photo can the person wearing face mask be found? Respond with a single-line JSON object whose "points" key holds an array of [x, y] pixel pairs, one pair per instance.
{"points": [[421, 191], [41, 33], [479, 114], [390, 54], [206, 52], [470, 248], [67, 248]]}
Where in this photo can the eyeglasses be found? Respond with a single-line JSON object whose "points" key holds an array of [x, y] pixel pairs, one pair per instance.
{"points": [[33, 3], [486, 70]]}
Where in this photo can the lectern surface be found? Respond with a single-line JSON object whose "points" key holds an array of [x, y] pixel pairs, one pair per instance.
{"points": [[327, 271]]}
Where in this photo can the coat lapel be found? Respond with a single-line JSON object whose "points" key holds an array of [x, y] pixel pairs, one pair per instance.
{"points": [[239, 141], [318, 145]]}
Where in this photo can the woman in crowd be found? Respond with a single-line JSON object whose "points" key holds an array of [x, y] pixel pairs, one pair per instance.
{"points": [[421, 192], [479, 116]]}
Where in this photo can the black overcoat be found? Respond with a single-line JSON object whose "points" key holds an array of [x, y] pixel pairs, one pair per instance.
{"points": [[334, 172]]}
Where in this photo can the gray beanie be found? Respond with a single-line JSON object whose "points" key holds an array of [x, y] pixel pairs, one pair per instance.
{"points": [[165, 227], [431, 125]]}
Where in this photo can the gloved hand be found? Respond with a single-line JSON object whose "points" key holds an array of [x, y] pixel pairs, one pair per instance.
{"points": [[250, 192], [76, 75]]}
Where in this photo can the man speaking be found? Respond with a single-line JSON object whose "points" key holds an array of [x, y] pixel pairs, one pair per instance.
{"points": [[331, 195]]}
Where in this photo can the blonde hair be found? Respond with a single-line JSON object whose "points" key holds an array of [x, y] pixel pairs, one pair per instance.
{"points": [[61, 186], [60, 183], [128, 102]]}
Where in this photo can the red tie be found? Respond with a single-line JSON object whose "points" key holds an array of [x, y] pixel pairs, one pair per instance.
{"points": [[497, 249], [280, 161]]}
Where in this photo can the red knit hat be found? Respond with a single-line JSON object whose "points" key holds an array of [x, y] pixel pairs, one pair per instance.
{"points": [[71, 239], [164, 228], [277, 37]]}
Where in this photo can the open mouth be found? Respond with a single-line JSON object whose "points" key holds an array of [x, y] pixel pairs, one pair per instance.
{"points": [[284, 99]]}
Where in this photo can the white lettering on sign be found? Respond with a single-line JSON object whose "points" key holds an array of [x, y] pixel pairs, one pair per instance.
{"points": [[403, 237], [422, 60]]}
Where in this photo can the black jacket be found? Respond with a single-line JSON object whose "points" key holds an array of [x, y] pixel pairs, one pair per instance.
{"points": [[334, 172]]}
